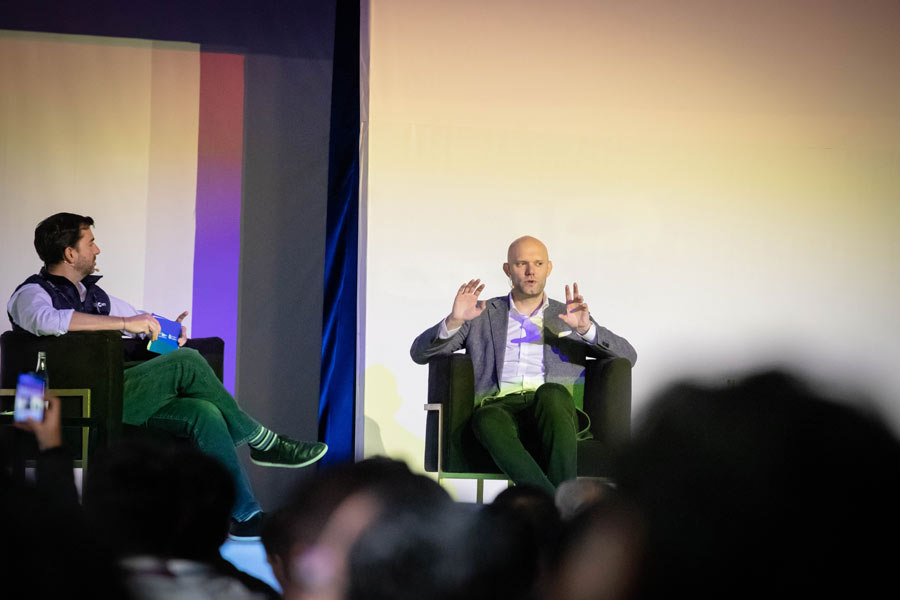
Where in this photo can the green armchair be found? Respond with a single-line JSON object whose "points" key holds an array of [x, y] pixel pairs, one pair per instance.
{"points": [[452, 451], [86, 370]]}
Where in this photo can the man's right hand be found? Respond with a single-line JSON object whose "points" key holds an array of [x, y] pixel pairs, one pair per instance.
{"points": [[142, 323], [466, 305], [48, 432]]}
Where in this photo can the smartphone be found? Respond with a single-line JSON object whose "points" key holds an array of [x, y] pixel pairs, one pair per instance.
{"points": [[29, 398]]}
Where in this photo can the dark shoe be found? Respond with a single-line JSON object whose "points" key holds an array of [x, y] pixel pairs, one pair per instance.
{"points": [[246, 531], [289, 453]]}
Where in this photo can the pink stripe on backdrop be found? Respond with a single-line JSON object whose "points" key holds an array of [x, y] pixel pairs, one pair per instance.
{"points": [[217, 241]]}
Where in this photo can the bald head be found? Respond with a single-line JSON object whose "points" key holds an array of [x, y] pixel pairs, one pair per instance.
{"points": [[526, 243]]}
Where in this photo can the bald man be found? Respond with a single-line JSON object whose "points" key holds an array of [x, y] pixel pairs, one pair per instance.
{"points": [[528, 352]]}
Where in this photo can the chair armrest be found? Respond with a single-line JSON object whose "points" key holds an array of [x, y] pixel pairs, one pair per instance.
{"points": [[607, 400], [211, 348], [79, 359], [451, 383]]}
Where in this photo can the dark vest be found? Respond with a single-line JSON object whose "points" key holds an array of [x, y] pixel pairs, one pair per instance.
{"points": [[65, 295]]}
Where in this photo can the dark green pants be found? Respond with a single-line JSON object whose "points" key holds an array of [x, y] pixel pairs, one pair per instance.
{"points": [[542, 421], [178, 393]]}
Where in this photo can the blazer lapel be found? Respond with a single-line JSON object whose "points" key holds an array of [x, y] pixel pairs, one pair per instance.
{"points": [[553, 325], [498, 315], [557, 336]]}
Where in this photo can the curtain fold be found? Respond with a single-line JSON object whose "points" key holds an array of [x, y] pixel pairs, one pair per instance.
{"points": [[337, 390]]}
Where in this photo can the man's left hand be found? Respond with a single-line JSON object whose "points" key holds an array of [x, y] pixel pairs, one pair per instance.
{"points": [[183, 337], [577, 315]]}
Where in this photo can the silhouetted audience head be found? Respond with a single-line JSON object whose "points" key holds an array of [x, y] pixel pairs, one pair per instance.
{"points": [[576, 495], [599, 554], [761, 489], [498, 556], [536, 509], [307, 539], [163, 509], [161, 500], [207, 495], [406, 555], [47, 549], [451, 552], [534, 503]]}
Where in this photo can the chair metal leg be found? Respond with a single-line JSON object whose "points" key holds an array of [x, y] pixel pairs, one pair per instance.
{"points": [[441, 474]]}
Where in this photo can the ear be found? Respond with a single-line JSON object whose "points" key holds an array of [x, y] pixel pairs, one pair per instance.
{"points": [[549, 267], [69, 255], [506, 269]]}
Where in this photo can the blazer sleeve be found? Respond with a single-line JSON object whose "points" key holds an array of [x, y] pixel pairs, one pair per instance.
{"points": [[606, 345], [610, 345], [428, 344]]}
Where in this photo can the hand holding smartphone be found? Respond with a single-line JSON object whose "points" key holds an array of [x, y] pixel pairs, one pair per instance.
{"points": [[29, 398]]}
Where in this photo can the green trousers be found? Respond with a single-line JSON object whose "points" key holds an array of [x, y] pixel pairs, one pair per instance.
{"points": [[543, 420], [179, 393]]}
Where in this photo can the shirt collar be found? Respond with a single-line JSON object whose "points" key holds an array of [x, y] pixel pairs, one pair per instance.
{"points": [[60, 280], [538, 311]]}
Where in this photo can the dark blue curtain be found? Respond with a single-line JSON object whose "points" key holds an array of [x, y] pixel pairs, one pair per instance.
{"points": [[338, 381]]}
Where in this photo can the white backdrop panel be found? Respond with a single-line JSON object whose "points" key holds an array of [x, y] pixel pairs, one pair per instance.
{"points": [[721, 183]]}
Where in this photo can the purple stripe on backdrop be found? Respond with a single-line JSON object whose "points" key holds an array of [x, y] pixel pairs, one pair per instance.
{"points": [[217, 242]]}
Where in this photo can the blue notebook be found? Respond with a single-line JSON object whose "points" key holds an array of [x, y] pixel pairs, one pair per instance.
{"points": [[168, 336]]}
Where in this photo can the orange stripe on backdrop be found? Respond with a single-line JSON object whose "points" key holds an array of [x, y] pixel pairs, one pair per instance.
{"points": [[217, 238]]}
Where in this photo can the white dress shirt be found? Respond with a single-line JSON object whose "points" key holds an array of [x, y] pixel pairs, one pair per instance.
{"points": [[523, 361], [32, 309]]}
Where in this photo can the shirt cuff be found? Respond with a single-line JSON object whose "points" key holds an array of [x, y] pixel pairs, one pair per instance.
{"points": [[444, 333], [65, 319], [591, 335]]}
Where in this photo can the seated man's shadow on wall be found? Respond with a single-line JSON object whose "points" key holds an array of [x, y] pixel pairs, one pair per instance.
{"points": [[384, 435]]}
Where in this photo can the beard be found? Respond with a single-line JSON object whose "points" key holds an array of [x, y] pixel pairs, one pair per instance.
{"points": [[87, 268]]}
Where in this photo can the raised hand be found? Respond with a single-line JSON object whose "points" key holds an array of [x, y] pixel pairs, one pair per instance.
{"points": [[466, 305], [577, 315], [182, 338]]}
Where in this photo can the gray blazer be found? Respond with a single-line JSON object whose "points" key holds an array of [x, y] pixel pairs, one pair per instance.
{"points": [[484, 339]]}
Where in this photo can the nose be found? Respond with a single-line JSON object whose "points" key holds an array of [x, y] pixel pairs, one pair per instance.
{"points": [[96, 249]]}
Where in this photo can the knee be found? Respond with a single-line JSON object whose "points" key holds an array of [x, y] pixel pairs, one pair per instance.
{"points": [[553, 390], [189, 360], [204, 415], [553, 393], [487, 419], [188, 356], [554, 397]]}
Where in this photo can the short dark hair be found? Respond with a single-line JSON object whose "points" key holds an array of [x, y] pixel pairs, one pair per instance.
{"points": [[56, 233]]}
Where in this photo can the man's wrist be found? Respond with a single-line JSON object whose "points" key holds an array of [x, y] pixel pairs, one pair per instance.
{"points": [[452, 323], [590, 335]]}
